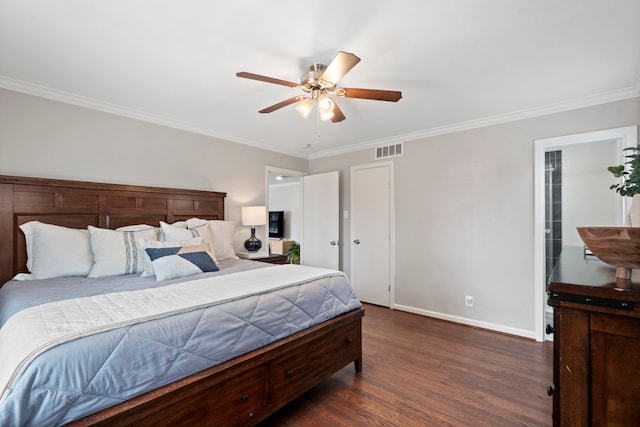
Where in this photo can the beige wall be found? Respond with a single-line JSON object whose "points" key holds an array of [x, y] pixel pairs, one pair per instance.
{"points": [[49, 139], [464, 215], [464, 201], [586, 197]]}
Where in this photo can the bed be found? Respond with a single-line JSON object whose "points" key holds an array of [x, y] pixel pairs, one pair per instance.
{"points": [[193, 357]]}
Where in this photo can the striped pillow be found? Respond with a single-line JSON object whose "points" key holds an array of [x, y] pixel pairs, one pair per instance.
{"points": [[116, 253]]}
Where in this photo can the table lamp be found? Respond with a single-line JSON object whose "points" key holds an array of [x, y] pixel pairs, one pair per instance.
{"points": [[253, 216]]}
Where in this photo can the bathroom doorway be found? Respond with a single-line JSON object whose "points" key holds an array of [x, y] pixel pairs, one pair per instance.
{"points": [[576, 186]]}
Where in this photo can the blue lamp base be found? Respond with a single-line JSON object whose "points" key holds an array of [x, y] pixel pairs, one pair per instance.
{"points": [[253, 244]]}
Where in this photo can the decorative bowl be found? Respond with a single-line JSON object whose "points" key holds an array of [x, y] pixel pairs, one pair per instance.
{"points": [[617, 246]]}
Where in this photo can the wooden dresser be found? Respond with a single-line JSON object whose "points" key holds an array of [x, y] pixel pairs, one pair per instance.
{"points": [[596, 370]]}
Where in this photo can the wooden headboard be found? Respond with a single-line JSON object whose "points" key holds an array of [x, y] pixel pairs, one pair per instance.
{"points": [[79, 204]]}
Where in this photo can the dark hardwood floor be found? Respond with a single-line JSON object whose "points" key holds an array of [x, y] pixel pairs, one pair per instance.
{"points": [[419, 371]]}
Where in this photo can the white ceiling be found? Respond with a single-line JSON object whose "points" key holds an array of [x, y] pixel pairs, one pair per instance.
{"points": [[459, 64]]}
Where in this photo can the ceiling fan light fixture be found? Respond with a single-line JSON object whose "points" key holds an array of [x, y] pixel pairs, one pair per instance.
{"points": [[304, 107], [320, 84], [325, 106], [324, 116]]}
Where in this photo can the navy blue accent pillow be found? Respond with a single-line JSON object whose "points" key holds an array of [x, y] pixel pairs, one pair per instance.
{"points": [[171, 263]]}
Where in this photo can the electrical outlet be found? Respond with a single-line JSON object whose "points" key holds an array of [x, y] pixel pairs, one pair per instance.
{"points": [[468, 301]]}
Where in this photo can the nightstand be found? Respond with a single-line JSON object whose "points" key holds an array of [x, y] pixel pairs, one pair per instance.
{"points": [[270, 258]]}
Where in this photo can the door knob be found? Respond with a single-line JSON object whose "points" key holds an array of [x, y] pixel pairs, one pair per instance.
{"points": [[335, 242], [357, 241]]}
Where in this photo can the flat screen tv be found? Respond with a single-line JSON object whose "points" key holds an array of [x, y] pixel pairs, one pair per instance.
{"points": [[276, 224]]}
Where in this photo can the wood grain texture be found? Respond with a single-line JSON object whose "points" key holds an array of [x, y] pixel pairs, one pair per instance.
{"points": [[597, 344], [420, 371], [78, 204], [618, 246], [615, 377], [571, 380]]}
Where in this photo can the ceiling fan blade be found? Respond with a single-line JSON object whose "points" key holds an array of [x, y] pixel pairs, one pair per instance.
{"points": [[279, 105], [377, 95], [338, 115], [339, 66], [266, 79]]}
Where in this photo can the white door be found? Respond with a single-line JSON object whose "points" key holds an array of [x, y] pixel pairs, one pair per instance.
{"points": [[321, 220], [371, 233]]}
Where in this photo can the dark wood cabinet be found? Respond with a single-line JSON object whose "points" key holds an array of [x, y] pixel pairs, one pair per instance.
{"points": [[596, 343]]}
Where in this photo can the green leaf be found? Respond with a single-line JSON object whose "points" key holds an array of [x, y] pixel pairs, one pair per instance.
{"points": [[630, 175]]}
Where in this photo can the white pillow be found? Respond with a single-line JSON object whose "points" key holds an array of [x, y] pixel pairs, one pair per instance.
{"points": [[173, 233], [177, 224], [137, 227], [144, 244], [195, 222], [116, 253], [223, 235], [175, 262], [56, 251]]}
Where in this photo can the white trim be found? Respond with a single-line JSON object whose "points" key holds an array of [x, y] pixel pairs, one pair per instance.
{"points": [[94, 104], [392, 224], [119, 110], [612, 96], [471, 322], [626, 137]]}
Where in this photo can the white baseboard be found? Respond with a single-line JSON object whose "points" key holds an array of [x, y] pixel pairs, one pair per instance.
{"points": [[466, 321]]}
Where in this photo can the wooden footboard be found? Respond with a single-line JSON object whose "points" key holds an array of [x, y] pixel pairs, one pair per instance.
{"points": [[249, 388]]}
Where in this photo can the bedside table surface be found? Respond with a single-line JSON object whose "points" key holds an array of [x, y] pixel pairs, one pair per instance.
{"points": [[270, 258]]}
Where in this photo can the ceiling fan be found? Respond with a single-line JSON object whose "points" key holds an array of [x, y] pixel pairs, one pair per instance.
{"points": [[319, 85]]}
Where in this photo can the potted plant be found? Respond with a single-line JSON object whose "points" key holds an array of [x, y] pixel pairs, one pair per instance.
{"points": [[293, 253], [630, 185]]}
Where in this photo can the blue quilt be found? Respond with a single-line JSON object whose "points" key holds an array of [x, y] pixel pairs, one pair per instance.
{"points": [[81, 377]]}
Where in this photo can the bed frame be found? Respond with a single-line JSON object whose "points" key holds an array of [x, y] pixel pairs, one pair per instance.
{"points": [[241, 391]]}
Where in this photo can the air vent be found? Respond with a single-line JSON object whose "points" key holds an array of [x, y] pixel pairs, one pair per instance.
{"points": [[386, 151]]}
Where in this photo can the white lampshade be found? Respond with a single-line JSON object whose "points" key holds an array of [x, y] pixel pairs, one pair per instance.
{"points": [[304, 107], [325, 105], [254, 215]]}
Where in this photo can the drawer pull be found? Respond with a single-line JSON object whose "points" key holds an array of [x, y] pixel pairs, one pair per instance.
{"points": [[289, 374], [245, 397], [349, 340]]}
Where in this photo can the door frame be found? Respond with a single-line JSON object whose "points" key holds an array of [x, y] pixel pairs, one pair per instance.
{"points": [[626, 137], [392, 225], [280, 171]]}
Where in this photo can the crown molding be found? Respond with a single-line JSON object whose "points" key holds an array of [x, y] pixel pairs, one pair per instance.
{"points": [[118, 110], [604, 98], [85, 102]]}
